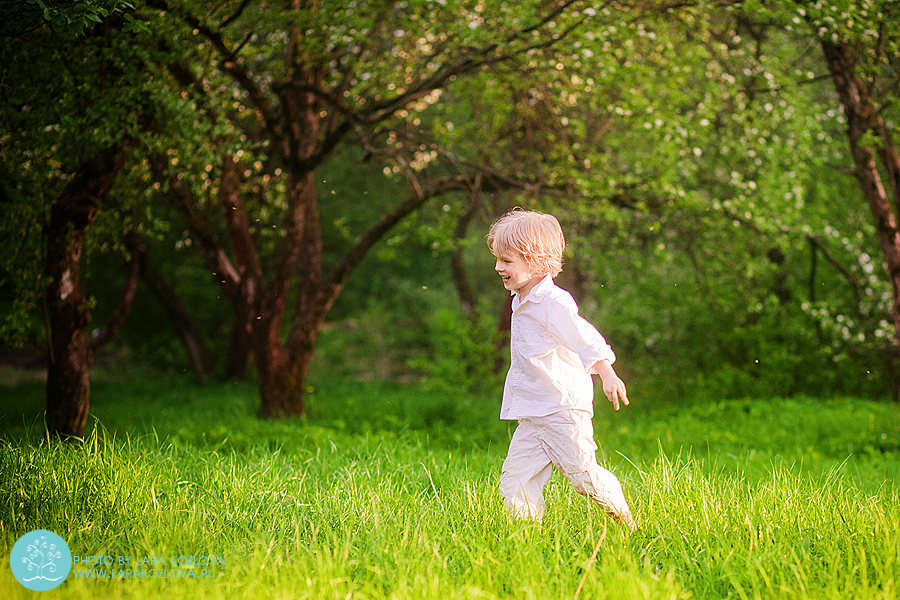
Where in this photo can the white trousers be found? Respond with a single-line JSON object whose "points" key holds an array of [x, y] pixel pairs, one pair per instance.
{"points": [[566, 440]]}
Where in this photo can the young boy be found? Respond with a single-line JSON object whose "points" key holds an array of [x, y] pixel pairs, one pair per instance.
{"points": [[548, 388]]}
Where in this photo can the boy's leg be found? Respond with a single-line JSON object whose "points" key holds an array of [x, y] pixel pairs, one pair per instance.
{"points": [[525, 473], [571, 446]]}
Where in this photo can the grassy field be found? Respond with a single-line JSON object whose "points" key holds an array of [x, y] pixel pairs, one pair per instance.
{"points": [[389, 491]]}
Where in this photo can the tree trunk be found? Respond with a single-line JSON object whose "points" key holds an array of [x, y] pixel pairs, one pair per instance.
{"points": [[504, 326], [71, 356], [199, 354], [572, 279], [280, 382], [467, 296], [237, 363], [249, 268], [863, 118], [282, 367]]}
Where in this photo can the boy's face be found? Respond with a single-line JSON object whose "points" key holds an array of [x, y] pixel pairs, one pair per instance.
{"points": [[517, 274]]}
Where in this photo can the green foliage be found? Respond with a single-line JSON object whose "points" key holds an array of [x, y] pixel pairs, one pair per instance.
{"points": [[695, 217], [72, 17], [463, 352], [374, 344], [20, 282], [688, 332], [63, 100]]}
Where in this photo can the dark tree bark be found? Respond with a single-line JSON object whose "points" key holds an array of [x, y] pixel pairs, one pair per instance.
{"points": [[467, 296], [504, 327], [237, 363], [71, 354], [200, 356], [863, 117], [782, 291]]}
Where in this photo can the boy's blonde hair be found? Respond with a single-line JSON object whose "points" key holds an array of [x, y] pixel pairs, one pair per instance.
{"points": [[535, 236]]}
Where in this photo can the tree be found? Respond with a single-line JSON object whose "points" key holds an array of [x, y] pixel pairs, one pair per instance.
{"points": [[711, 133], [61, 158], [274, 90], [863, 58], [71, 352]]}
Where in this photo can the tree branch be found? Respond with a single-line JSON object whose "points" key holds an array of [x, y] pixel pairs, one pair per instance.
{"points": [[850, 277], [466, 64], [198, 351], [236, 15], [105, 334], [182, 200], [467, 295], [228, 63]]}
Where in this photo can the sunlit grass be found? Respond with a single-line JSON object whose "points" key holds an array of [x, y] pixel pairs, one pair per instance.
{"points": [[735, 500]]}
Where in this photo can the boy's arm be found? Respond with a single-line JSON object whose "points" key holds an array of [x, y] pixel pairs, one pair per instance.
{"points": [[613, 387]]}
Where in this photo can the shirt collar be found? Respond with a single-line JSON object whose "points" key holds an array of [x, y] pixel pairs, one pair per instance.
{"points": [[537, 293]]}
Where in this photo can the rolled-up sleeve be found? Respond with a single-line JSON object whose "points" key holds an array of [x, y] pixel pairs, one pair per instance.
{"points": [[574, 332]]}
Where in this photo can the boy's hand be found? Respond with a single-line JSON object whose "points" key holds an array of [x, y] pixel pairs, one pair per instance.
{"points": [[613, 387]]}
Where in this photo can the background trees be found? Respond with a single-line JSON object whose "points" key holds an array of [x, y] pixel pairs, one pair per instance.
{"points": [[735, 256], [276, 90], [697, 155]]}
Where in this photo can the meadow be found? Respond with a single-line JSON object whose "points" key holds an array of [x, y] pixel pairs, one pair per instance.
{"points": [[388, 490]]}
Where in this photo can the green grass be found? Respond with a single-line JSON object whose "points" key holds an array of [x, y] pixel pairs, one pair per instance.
{"points": [[389, 491]]}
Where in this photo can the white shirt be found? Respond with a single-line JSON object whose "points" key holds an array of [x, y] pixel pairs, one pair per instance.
{"points": [[553, 350]]}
